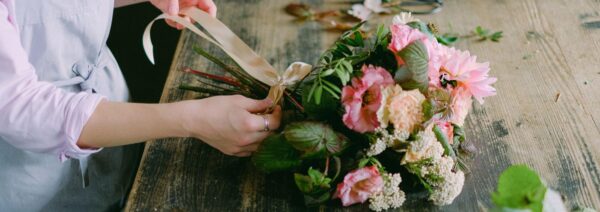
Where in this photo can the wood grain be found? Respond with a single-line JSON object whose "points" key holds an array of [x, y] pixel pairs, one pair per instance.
{"points": [[547, 50]]}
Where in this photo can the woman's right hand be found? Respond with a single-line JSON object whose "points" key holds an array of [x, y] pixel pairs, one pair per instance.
{"points": [[230, 124]]}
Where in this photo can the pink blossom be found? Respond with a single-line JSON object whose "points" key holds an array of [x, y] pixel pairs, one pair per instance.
{"points": [[363, 98], [460, 106], [467, 72], [403, 35], [358, 185]]}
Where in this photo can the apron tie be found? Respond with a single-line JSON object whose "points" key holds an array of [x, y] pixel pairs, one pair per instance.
{"points": [[85, 78], [85, 74]]}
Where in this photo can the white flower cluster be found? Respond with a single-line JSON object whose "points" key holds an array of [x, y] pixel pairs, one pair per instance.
{"points": [[426, 146], [391, 196], [446, 190], [446, 183], [386, 140]]}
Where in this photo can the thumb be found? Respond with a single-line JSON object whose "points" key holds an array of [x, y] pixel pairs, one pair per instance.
{"points": [[255, 106]]}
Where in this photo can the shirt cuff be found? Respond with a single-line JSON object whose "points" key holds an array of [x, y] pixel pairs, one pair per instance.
{"points": [[76, 121]]}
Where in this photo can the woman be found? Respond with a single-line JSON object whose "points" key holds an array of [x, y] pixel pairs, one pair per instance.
{"points": [[60, 94]]}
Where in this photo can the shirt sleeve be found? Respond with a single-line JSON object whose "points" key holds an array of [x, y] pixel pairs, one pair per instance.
{"points": [[34, 115]]}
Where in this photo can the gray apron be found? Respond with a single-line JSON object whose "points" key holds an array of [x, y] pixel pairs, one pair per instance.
{"points": [[66, 43]]}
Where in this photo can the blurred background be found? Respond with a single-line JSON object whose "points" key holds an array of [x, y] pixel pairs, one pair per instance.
{"points": [[145, 80]]}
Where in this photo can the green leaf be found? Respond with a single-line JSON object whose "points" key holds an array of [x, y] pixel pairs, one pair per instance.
{"points": [[327, 72], [443, 139], [496, 36], [310, 93], [481, 32], [363, 162], [358, 39], [427, 110], [327, 109], [330, 91], [417, 63], [332, 86], [459, 135], [315, 186], [318, 93], [312, 137], [446, 39], [519, 187], [304, 183], [275, 154]]}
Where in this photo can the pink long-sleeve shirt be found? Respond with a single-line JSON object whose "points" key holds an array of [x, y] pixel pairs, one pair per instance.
{"points": [[35, 115]]}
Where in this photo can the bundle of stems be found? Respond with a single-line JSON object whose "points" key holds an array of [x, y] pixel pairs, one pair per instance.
{"points": [[234, 81]]}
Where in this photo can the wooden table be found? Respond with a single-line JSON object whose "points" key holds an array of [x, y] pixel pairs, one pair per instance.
{"points": [[546, 113]]}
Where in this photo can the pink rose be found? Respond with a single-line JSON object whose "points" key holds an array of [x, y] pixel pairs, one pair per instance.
{"points": [[358, 185], [363, 98]]}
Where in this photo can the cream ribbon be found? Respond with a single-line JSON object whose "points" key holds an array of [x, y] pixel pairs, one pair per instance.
{"points": [[231, 44]]}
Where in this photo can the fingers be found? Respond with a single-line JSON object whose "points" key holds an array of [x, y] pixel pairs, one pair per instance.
{"points": [[173, 7], [208, 6], [253, 105], [263, 122]]}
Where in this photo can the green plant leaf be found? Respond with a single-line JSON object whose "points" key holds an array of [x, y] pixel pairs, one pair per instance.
{"points": [[275, 154], [496, 36], [519, 187], [447, 39], [443, 139], [459, 135], [315, 186], [304, 183], [481, 32], [417, 63], [311, 137], [318, 93], [327, 109]]}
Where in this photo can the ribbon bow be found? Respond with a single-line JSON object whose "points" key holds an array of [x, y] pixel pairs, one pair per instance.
{"points": [[231, 44]]}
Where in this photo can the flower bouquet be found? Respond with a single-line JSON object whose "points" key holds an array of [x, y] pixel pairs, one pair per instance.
{"points": [[374, 110]]}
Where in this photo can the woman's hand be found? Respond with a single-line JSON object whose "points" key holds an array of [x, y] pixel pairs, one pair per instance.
{"points": [[173, 7], [229, 123]]}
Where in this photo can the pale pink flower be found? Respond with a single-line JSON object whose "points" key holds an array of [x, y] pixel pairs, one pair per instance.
{"points": [[468, 73], [363, 98], [460, 106], [360, 11], [403, 35], [359, 185], [406, 110]]}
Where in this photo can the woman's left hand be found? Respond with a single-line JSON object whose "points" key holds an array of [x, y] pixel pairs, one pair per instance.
{"points": [[173, 7]]}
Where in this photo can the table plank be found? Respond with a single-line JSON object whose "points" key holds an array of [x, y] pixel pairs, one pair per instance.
{"points": [[546, 50]]}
